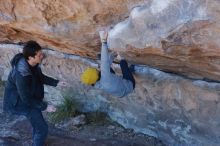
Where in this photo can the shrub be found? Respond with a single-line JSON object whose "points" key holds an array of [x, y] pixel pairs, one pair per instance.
{"points": [[66, 110]]}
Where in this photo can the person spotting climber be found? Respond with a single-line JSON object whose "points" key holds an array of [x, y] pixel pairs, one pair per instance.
{"points": [[107, 80], [24, 91]]}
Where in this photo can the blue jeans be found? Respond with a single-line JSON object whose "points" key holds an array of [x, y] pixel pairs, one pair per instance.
{"points": [[35, 117], [39, 125]]}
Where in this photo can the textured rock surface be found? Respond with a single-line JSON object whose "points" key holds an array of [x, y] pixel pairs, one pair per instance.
{"points": [[16, 131], [65, 25], [176, 110], [179, 36], [90, 129], [171, 35]]}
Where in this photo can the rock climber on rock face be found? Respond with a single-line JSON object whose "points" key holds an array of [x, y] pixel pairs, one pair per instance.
{"points": [[106, 79]]}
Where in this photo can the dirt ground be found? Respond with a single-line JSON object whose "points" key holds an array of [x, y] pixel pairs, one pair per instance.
{"points": [[16, 131]]}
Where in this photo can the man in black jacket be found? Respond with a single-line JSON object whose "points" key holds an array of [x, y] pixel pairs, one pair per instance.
{"points": [[24, 91]]}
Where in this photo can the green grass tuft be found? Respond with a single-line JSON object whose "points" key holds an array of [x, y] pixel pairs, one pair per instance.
{"points": [[66, 110]]}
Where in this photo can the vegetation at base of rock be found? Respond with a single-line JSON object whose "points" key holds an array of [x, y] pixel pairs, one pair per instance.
{"points": [[97, 117], [66, 110]]}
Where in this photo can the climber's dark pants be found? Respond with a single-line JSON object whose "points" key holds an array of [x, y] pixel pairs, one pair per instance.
{"points": [[125, 71]]}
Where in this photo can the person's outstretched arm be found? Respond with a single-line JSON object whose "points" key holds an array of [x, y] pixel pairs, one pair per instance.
{"points": [[47, 80], [52, 82], [105, 62]]}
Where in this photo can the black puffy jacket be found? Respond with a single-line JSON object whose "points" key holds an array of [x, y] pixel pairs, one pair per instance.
{"points": [[24, 88]]}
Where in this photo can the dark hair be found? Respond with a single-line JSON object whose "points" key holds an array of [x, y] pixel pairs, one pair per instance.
{"points": [[30, 49]]}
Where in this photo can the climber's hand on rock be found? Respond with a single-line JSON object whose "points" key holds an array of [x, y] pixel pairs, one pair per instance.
{"points": [[103, 36]]}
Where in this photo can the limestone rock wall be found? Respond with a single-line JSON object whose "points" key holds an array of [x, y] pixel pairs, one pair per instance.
{"points": [[177, 36], [176, 110], [170, 35], [65, 25]]}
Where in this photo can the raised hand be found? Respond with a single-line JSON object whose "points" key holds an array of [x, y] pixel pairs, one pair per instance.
{"points": [[103, 36]]}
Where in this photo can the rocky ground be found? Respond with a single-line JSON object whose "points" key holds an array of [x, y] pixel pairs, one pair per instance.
{"points": [[16, 131]]}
